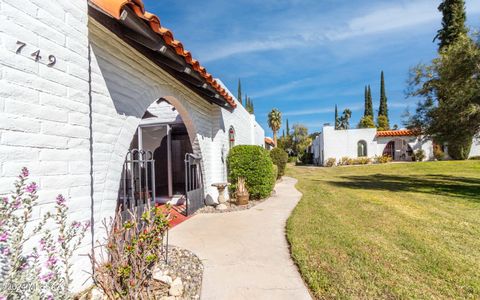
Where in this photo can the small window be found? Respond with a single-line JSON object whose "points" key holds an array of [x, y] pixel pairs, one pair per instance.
{"points": [[362, 149], [231, 137]]}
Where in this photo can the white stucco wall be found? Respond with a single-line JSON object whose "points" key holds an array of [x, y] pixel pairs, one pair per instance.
{"points": [[475, 150], [45, 111]]}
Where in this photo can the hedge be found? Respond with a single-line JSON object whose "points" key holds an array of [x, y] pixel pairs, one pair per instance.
{"points": [[255, 165], [280, 159]]}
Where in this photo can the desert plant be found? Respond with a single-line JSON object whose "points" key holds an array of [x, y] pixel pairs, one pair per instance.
{"points": [[362, 161], [44, 271], [330, 162], [242, 192], [279, 158], [383, 159], [345, 161], [132, 248], [419, 155], [255, 165]]}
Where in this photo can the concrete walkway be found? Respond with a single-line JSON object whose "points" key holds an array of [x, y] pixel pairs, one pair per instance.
{"points": [[245, 253]]}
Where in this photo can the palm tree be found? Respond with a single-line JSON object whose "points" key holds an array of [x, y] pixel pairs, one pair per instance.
{"points": [[275, 122]]}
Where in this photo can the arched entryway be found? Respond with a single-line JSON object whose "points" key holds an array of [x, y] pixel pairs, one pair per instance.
{"points": [[164, 138], [399, 150]]}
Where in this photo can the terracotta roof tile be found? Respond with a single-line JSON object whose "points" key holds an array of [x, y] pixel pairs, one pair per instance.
{"points": [[403, 132], [115, 7]]}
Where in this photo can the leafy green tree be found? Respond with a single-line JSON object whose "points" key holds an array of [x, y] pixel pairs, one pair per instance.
{"points": [[450, 86], [239, 92], [453, 22], [300, 139], [337, 120], [366, 122], [382, 123], [275, 122], [344, 121]]}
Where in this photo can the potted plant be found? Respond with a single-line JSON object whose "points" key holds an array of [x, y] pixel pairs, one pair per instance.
{"points": [[242, 192]]}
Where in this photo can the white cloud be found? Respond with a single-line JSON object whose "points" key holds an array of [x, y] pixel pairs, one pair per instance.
{"points": [[396, 16]]}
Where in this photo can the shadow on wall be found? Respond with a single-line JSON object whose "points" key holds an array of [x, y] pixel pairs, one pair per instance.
{"points": [[461, 187]]}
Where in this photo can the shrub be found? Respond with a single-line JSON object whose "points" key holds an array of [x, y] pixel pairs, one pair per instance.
{"points": [[362, 161], [475, 157], [330, 162], [307, 158], [438, 153], [133, 247], [44, 272], [383, 159], [275, 174], [345, 161], [419, 155], [292, 159], [280, 159], [255, 165]]}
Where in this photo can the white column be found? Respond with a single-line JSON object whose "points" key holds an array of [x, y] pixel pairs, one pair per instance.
{"points": [[140, 138], [169, 160]]}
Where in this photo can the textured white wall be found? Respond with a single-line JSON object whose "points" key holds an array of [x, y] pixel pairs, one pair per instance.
{"points": [[44, 111], [44, 123]]}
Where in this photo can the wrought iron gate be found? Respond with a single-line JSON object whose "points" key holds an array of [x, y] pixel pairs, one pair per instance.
{"points": [[137, 187], [193, 183]]}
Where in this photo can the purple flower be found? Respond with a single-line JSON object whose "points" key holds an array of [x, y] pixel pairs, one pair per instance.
{"points": [[31, 188], [46, 277], [25, 172], [50, 297], [4, 237], [2, 297], [76, 224], [51, 262], [5, 200], [5, 251], [42, 244], [60, 200], [17, 203]]}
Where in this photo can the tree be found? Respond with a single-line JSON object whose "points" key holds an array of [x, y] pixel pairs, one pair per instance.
{"points": [[275, 122], [453, 22], [383, 109], [288, 129], [366, 122], [382, 123], [344, 121], [450, 86], [300, 139], [239, 91], [337, 121], [370, 102]]}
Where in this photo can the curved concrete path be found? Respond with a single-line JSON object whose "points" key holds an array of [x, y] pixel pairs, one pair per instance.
{"points": [[245, 253]]}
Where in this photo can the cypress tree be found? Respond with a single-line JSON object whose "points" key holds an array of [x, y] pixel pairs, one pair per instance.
{"points": [[365, 112], [252, 108], [239, 95], [288, 129], [453, 22], [383, 109], [337, 121], [370, 102]]}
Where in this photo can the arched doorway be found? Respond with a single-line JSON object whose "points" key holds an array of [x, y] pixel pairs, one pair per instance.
{"points": [[399, 150], [163, 134]]}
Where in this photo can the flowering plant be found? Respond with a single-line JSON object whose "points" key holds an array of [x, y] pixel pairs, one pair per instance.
{"points": [[134, 245], [42, 271]]}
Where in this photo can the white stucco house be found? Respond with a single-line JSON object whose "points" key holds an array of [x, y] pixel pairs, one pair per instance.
{"points": [[92, 92], [400, 145]]}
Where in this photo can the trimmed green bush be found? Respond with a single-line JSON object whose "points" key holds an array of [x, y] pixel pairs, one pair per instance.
{"points": [[255, 165], [280, 159], [275, 174]]}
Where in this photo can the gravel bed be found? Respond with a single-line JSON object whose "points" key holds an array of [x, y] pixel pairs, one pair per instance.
{"points": [[187, 266]]}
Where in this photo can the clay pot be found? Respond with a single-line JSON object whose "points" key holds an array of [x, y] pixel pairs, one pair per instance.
{"points": [[242, 199]]}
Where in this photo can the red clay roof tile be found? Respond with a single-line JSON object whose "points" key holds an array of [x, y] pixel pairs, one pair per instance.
{"points": [[115, 7], [403, 132]]}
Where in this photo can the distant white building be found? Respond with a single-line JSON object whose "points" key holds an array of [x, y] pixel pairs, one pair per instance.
{"points": [[368, 142]]}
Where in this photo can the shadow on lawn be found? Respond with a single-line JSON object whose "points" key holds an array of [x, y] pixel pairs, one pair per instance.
{"points": [[462, 187]]}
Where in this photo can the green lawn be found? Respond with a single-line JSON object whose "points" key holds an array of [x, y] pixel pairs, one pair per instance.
{"points": [[395, 231]]}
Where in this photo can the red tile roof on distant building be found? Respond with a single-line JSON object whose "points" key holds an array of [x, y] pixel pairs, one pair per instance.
{"points": [[114, 8], [403, 132], [269, 141]]}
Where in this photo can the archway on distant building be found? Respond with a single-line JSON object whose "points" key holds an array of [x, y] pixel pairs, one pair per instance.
{"points": [[362, 149]]}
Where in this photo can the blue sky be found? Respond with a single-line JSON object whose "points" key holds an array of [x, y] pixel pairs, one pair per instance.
{"points": [[305, 56]]}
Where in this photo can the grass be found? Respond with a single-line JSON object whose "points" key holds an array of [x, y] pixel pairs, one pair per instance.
{"points": [[394, 231]]}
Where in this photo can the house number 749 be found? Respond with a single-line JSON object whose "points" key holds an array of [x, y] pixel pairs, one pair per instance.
{"points": [[36, 55]]}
